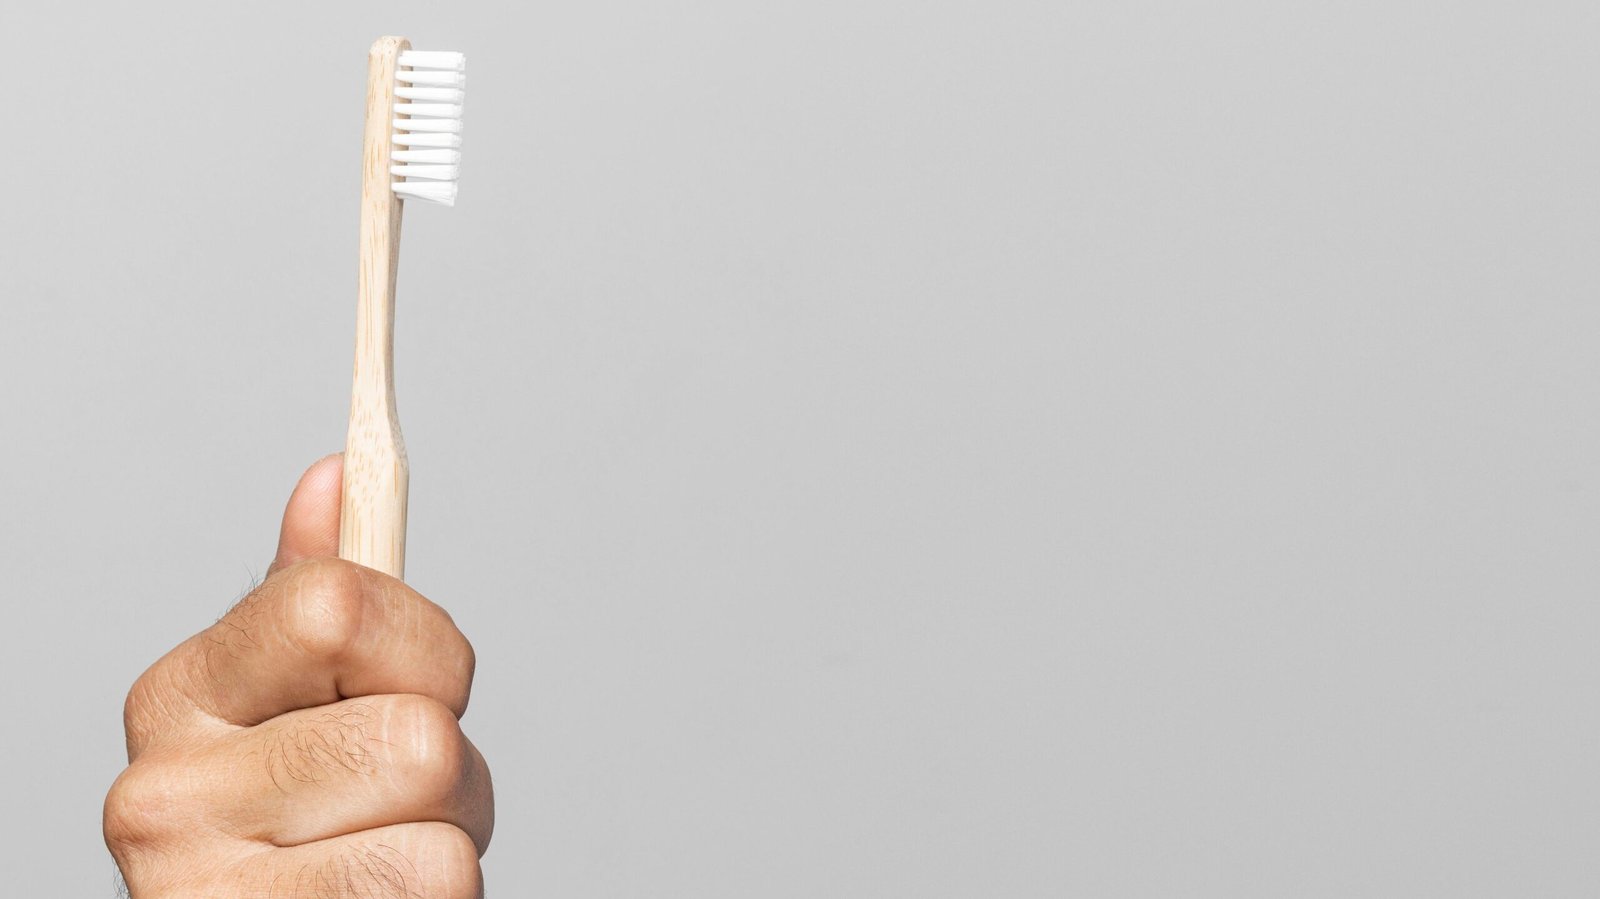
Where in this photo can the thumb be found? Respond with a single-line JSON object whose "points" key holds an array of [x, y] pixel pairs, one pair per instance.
{"points": [[311, 520]]}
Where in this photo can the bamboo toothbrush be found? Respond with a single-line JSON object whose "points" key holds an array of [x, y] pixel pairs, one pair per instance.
{"points": [[411, 151]]}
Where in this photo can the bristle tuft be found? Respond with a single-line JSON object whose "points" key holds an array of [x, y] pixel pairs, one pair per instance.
{"points": [[451, 126], [434, 59], [423, 139], [430, 94], [441, 156], [431, 78], [441, 192], [430, 172]]}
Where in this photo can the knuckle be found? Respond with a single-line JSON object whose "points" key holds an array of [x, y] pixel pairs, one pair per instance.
{"points": [[137, 701], [459, 686], [152, 706], [138, 710], [325, 605], [469, 663], [430, 752], [140, 807]]}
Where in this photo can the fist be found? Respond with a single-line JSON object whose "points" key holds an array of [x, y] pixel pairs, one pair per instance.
{"points": [[307, 744]]}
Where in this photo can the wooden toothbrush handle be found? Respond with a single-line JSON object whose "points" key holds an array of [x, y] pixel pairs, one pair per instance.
{"points": [[372, 522]]}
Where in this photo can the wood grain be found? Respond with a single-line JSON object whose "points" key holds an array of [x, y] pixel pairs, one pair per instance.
{"points": [[372, 524]]}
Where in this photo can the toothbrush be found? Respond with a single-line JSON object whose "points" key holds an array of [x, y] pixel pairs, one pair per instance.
{"points": [[410, 151]]}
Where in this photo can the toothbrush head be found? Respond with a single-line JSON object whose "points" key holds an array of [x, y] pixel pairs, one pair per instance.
{"points": [[426, 159]]}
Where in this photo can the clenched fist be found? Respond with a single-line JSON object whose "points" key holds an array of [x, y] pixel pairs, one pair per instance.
{"points": [[307, 744]]}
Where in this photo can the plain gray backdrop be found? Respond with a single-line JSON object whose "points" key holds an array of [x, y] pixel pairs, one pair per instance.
{"points": [[878, 449]]}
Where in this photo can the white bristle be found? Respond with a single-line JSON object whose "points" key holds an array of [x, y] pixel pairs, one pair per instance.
{"points": [[446, 157], [448, 126], [429, 94], [427, 140], [433, 59], [431, 78], [430, 172], [441, 192], [431, 82], [429, 110]]}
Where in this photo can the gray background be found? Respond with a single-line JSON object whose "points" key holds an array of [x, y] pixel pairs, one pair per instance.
{"points": [[877, 448]]}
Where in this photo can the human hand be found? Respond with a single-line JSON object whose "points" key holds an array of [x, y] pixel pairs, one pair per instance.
{"points": [[307, 744]]}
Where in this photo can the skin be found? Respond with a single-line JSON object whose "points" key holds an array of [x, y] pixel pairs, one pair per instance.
{"points": [[307, 744]]}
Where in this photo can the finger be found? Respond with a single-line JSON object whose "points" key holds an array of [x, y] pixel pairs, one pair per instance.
{"points": [[310, 527], [354, 765], [428, 859], [312, 634]]}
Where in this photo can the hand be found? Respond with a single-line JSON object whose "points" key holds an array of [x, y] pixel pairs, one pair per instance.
{"points": [[306, 744]]}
